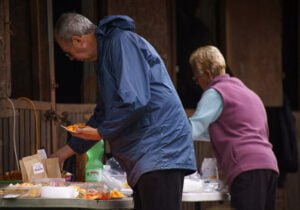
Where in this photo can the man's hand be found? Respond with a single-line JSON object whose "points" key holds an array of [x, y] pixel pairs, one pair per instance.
{"points": [[88, 133]]}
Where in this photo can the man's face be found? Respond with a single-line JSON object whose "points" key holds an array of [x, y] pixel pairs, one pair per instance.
{"points": [[80, 48]]}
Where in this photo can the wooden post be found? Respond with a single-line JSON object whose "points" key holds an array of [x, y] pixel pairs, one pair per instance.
{"points": [[89, 84], [52, 72], [40, 56], [5, 79]]}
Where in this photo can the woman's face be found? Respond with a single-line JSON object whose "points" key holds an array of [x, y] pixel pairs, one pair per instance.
{"points": [[202, 80]]}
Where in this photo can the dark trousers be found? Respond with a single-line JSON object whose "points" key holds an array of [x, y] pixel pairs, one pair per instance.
{"points": [[159, 190], [254, 190]]}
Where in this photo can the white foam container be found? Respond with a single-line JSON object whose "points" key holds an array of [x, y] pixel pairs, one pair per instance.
{"points": [[58, 192]]}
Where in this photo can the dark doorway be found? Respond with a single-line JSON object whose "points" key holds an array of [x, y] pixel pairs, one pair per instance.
{"points": [[290, 44], [68, 73], [197, 25]]}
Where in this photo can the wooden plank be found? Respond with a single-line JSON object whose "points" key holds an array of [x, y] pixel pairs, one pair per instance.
{"points": [[50, 138], [6, 145], [32, 130], [3, 68], [27, 135], [13, 146], [5, 79], [89, 84], [253, 46], [152, 22], [17, 135], [22, 104], [40, 57], [25, 145], [22, 142], [75, 107], [21, 44], [1, 147], [43, 133]]}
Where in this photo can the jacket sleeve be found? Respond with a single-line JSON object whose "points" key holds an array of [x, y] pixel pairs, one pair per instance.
{"points": [[131, 85], [97, 116], [80, 146]]}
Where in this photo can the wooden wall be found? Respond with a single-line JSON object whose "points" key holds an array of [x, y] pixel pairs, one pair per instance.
{"points": [[31, 127], [154, 21], [253, 46], [5, 79]]}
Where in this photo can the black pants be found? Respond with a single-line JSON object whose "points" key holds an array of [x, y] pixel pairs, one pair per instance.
{"points": [[159, 190], [254, 190]]}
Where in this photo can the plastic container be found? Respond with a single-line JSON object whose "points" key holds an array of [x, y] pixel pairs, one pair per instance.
{"points": [[59, 192], [22, 190], [49, 181], [94, 165]]}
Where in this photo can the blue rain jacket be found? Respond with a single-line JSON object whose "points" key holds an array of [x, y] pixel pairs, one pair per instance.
{"points": [[139, 112]]}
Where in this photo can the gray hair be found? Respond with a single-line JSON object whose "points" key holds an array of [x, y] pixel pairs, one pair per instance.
{"points": [[207, 58], [70, 24]]}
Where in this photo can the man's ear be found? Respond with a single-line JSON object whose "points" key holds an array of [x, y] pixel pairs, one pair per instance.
{"points": [[76, 40]]}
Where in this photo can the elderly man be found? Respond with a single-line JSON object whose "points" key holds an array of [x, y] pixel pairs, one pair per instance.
{"points": [[138, 113]]}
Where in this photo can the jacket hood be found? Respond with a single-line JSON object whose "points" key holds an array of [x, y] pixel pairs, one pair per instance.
{"points": [[115, 21]]}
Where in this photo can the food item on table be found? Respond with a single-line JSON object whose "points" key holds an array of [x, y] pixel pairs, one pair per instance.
{"points": [[92, 194], [25, 184], [33, 193], [25, 190], [116, 194], [2, 192]]}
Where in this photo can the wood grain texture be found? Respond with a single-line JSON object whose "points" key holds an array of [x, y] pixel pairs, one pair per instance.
{"points": [[154, 22], [253, 46]]}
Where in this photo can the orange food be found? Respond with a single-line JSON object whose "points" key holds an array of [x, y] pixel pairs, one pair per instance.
{"points": [[116, 194], [75, 126], [91, 194], [94, 196]]}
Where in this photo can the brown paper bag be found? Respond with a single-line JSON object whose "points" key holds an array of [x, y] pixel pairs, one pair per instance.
{"points": [[34, 167], [52, 167], [23, 171]]}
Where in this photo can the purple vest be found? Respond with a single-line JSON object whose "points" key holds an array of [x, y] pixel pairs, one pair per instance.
{"points": [[240, 135]]}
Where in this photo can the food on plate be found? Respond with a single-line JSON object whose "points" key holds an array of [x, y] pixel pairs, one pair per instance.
{"points": [[92, 194], [33, 193], [73, 128]]}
